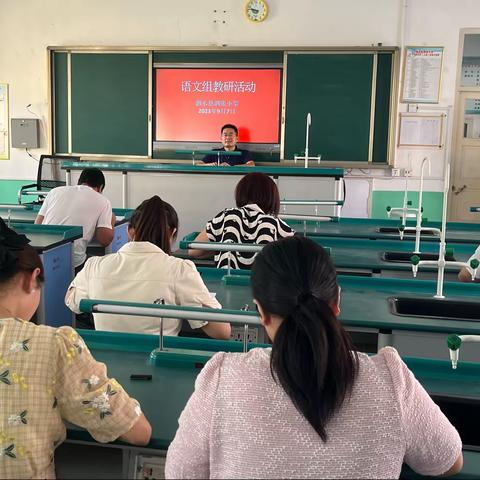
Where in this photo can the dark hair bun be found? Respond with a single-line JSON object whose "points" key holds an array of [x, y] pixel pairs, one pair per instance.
{"points": [[10, 242]]}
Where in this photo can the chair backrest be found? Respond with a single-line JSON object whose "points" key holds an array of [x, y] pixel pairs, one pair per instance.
{"points": [[50, 173]]}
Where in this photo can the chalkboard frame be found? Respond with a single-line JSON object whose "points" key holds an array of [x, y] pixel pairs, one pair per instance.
{"points": [[305, 67], [155, 53]]}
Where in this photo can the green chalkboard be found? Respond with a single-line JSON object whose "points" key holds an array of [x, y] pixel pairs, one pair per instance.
{"points": [[60, 79], [336, 88], [109, 109], [382, 107], [110, 91]]}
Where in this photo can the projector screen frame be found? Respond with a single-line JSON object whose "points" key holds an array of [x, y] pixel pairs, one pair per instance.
{"points": [[166, 149]]}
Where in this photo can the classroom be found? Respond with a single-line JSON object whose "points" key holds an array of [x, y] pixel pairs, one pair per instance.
{"points": [[239, 239]]}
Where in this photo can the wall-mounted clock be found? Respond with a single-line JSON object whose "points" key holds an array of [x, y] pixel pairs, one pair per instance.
{"points": [[256, 10]]}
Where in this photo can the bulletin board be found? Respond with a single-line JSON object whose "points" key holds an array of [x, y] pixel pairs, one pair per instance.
{"points": [[422, 73], [420, 130], [4, 132]]}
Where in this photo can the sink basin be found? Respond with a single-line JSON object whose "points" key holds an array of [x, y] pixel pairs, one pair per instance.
{"points": [[406, 256], [354, 272], [435, 308], [463, 414], [395, 230]]}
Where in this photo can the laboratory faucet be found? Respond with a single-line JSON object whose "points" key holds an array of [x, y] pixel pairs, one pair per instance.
{"points": [[441, 263], [307, 157], [406, 211], [418, 229], [455, 341]]}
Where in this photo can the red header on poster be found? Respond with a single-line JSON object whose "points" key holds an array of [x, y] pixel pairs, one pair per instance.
{"points": [[192, 104]]}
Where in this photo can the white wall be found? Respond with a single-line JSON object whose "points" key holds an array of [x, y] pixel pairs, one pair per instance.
{"points": [[436, 23], [27, 27]]}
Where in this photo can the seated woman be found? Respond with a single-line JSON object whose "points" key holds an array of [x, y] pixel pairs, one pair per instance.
{"points": [[309, 407], [465, 274], [144, 271], [48, 376], [255, 221]]}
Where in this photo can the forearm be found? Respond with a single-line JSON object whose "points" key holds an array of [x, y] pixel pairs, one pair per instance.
{"points": [[197, 253]]}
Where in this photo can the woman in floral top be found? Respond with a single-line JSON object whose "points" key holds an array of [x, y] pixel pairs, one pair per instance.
{"points": [[48, 375]]}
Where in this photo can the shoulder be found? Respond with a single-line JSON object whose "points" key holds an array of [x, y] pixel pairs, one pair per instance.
{"points": [[69, 343], [67, 334], [389, 361], [59, 191], [220, 216], [20, 336], [177, 268], [99, 198], [284, 224], [96, 262], [226, 373], [390, 357], [181, 265], [231, 365], [100, 266], [22, 328]]}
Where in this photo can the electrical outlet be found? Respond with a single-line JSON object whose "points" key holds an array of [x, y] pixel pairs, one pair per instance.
{"points": [[238, 332], [407, 172], [395, 172]]}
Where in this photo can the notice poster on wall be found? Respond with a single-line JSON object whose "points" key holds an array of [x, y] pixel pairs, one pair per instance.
{"points": [[4, 121], [192, 104], [420, 130], [422, 72]]}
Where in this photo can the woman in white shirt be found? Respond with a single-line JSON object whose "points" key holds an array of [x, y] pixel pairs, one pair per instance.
{"points": [[144, 271], [309, 407]]}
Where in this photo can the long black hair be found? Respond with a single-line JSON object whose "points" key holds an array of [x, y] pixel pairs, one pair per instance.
{"points": [[312, 356], [154, 221]]}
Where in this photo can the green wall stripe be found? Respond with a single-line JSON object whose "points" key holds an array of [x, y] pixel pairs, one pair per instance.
{"points": [[10, 188], [432, 203]]}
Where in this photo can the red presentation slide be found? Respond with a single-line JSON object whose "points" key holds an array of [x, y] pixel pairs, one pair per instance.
{"points": [[193, 104]]}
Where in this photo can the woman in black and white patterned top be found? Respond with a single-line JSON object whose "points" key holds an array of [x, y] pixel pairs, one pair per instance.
{"points": [[254, 221]]}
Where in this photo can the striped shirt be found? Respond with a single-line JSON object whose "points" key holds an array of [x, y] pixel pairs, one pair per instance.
{"points": [[247, 224]]}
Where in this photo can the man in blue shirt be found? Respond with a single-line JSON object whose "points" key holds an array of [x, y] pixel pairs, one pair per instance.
{"points": [[229, 137]]}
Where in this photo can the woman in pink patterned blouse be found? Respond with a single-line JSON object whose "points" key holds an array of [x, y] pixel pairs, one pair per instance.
{"points": [[310, 407]]}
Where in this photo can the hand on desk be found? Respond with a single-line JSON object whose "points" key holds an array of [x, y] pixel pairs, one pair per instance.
{"points": [[250, 163]]}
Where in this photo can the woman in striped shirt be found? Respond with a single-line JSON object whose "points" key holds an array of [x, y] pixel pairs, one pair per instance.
{"points": [[254, 220]]}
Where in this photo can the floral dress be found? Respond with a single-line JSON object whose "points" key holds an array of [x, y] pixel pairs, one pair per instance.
{"points": [[48, 376]]}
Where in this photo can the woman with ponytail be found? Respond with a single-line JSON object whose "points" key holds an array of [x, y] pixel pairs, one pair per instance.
{"points": [[144, 271], [309, 407]]}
